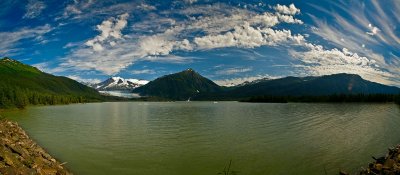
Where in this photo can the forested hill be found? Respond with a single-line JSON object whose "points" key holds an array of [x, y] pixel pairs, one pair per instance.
{"points": [[179, 86], [21, 85]]}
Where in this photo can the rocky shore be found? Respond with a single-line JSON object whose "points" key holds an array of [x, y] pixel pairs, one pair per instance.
{"points": [[387, 165], [19, 155]]}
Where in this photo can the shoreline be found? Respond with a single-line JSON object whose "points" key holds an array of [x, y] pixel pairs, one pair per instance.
{"points": [[388, 164], [21, 155]]}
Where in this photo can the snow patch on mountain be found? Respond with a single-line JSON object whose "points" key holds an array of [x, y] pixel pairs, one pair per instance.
{"points": [[119, 83]]}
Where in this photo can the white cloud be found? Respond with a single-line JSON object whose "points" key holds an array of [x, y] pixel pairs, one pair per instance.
{"points": [[34, 8], [283, 9], [11, 40], [143, 71], [110, 31], [319, 61], [84, 80], [231, 71], [110, 51], [237, 81], [190, 1], [352, 25], [146, 7], [288, 19], [248, 37], [46, 67], [83, 11], [373, 30], [77, 7]]}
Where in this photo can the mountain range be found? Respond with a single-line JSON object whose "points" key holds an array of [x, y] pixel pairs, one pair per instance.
{"points": [[189, 84], [22, 84], [119, 84]]}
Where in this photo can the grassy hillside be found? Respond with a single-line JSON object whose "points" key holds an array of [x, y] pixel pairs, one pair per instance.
{"points": [[22, 84]]}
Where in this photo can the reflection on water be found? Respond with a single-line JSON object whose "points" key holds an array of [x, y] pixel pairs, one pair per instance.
{"points": [[200, 138], [125, 94]]}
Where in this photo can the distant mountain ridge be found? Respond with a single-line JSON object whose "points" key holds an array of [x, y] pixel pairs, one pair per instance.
{"points": [[179, 86], [315, 86], [190, 84], [119, 84]]}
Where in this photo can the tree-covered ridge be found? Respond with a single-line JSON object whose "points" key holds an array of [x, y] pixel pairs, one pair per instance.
{"points": [[22, 85], [314, 86], [179, 86], [189, 84]]}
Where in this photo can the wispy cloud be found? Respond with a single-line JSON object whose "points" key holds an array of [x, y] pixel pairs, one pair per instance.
{"points": [[34, 8], [9, 45], [84, 80], [82, 10], [48, 68], [350, 42], [143, 71], [231, 71], [240, 80], [368, 31], [110, 54]]}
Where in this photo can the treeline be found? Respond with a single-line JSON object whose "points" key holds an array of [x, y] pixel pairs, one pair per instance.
{"points": [[336, 98], [20, 98]]}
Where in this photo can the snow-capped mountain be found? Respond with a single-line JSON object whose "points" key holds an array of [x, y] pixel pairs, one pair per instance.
{"points": [[118, 84]]}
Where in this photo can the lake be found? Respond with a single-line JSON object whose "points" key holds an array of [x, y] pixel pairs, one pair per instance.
{"points": [[201, 138]]}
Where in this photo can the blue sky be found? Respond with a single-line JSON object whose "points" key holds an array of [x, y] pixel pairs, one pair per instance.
{"points": [[226, 41]]}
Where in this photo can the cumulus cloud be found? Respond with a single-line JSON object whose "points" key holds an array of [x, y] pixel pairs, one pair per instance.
{"points": [[110, 30], [247, 37], [288, 10], [34, 8]]}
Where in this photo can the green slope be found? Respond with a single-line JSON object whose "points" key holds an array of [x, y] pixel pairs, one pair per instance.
{"points": [[179, 86], [22, 84]]}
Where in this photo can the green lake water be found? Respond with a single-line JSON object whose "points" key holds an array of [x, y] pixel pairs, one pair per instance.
{"points": [[200, 138]]}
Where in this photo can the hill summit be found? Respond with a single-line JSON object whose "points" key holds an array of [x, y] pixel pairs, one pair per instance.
{"points": [[179, 86]]}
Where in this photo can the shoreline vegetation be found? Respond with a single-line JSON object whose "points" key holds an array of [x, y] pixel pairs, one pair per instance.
{"points": [[12, 99], [21, 155]]}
